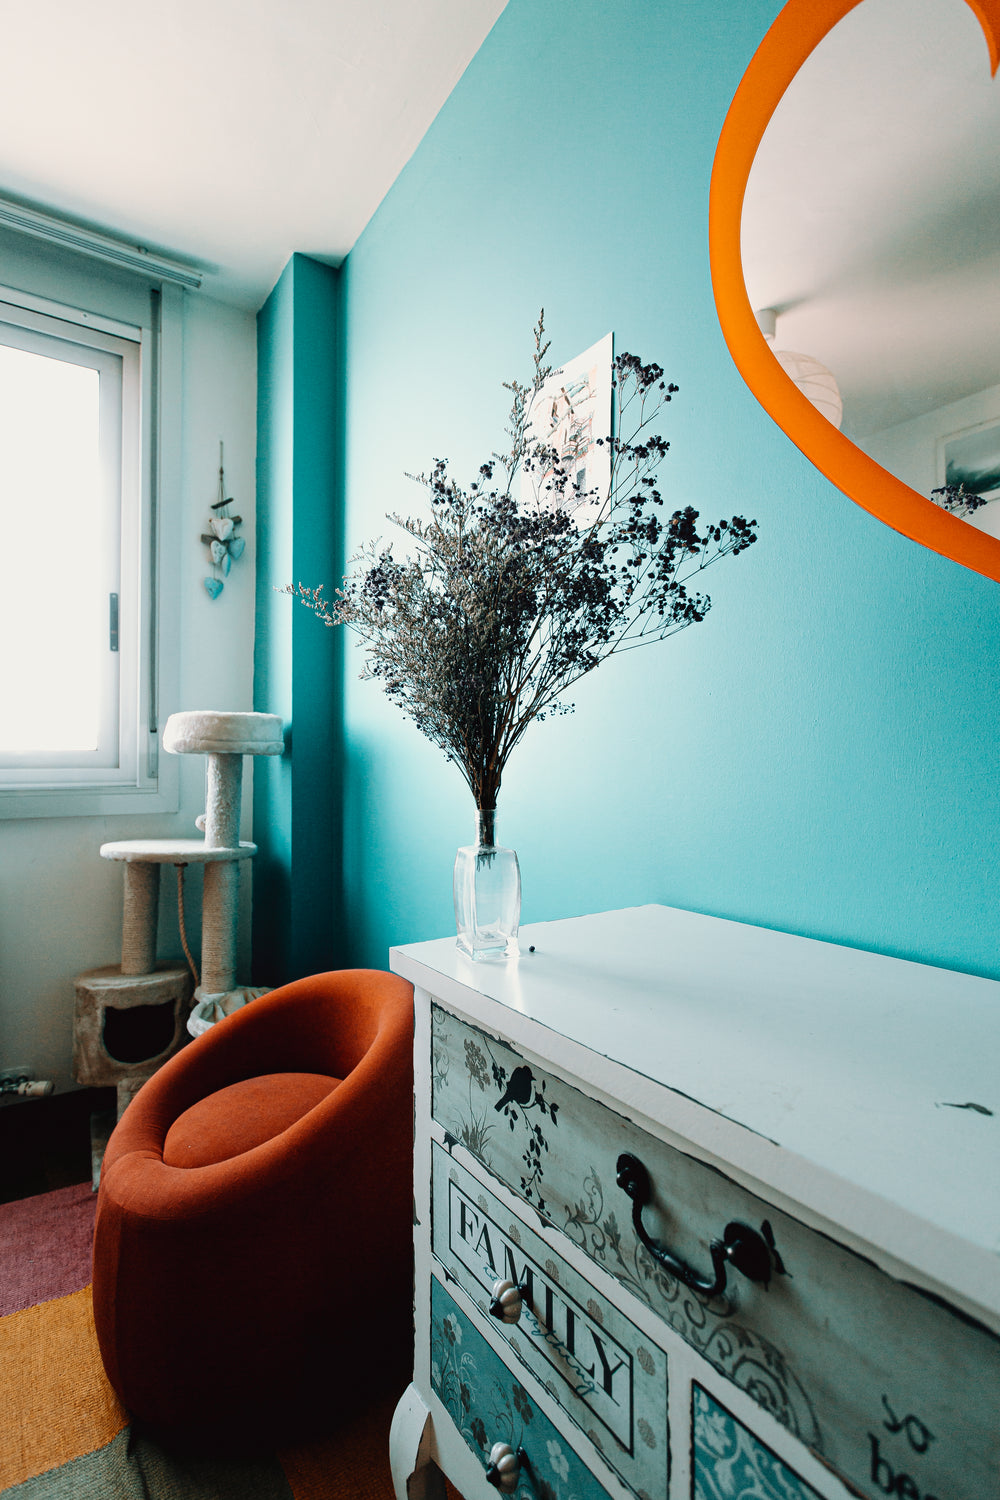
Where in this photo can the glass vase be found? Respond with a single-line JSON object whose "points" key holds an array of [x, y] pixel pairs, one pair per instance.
{"points": [[487, 893]]}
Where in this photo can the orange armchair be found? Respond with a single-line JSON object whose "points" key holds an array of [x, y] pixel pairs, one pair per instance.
{"points": [[253, 1243]]}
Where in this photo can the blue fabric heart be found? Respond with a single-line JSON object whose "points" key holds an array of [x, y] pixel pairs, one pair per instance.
{"points": [[236, 545], [213, 587]]}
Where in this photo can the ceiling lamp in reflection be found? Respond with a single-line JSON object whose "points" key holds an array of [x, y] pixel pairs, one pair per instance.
{"points": [[814, 380]]}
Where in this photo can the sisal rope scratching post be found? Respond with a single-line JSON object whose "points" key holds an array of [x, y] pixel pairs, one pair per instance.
{"points": [[139, 919]]}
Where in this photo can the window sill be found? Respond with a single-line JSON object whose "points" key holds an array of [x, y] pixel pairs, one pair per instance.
{"points": [[90, 801]]}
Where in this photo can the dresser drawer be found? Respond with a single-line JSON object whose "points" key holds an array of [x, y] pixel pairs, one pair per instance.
{"points": [[607, 1375], [870, 1374], [729, 1462], [488, 1405]]}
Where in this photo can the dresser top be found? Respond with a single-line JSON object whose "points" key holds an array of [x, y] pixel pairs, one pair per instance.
{"points": [[865, 1087]]}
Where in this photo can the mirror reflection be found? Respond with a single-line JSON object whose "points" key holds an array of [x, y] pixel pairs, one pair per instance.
{"points": [[871, 244]]}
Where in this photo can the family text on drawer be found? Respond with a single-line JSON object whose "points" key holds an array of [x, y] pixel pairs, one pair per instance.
{"points": [[609, 1377]]}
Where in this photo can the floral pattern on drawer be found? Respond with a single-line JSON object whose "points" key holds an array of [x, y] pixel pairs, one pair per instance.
{"points": [[827, 1349], [489, 1405], [494, 1090], [729, 1463]]}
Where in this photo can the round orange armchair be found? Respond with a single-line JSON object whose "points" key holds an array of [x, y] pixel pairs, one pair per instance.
{"points": [[253, 1243]]}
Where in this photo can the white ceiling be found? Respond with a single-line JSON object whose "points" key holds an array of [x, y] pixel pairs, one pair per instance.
{"points": [[872, 217], [231, 132], [235, 133]]}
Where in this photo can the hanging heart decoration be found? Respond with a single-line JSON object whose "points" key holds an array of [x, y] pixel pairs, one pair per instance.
{"points": [[223, 544]]}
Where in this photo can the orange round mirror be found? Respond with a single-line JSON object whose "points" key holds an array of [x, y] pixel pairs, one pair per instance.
{"points": [[799, 29]]}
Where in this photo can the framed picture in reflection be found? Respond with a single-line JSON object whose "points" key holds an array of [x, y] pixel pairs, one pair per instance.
{"points": [[570, 418], [972, 458]]}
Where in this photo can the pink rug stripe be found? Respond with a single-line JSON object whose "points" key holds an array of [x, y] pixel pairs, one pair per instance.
{"points": [[45, 1246]]}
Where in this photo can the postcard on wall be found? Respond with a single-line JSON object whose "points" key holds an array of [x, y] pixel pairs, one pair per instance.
{"points": [[569, 415]]}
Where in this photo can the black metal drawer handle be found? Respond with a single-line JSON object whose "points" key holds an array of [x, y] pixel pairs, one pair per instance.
{"points": [[750, 1252]]}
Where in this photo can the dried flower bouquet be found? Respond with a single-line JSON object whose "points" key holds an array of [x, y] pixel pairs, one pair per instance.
{"points": [[499, 606]]}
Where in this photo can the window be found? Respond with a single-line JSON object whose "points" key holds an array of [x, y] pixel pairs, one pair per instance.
{"points": [[90, 400], [70, 521]]}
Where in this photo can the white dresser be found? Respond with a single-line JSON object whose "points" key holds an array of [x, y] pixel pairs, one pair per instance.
{"points": [[745, 1190]]}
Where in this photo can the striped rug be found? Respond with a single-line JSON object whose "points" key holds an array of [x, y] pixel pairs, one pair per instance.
{"points": [[64, 1435]]}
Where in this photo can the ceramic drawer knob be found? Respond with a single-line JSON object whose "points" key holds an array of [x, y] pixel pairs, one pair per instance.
{"points": [[504, 1468], [508, 1300]]}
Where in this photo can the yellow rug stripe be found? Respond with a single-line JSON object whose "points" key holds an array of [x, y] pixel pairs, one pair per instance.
{"points": [[55, 1401]]}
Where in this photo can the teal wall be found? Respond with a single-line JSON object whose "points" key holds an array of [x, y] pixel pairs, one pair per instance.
{"points": [[297, 672], [820, 754]]}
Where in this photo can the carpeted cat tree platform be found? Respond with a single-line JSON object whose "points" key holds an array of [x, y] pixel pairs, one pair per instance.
{"points": [[131, 1017]]}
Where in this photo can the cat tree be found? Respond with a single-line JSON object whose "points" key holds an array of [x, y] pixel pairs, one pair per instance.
{"points": [[225, 738]]}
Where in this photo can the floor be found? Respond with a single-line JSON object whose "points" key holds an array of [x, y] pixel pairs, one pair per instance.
{"points": [[46, 1143]]}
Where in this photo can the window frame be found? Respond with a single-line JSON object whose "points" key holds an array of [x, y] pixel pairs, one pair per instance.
{"points": [[116, 361], [138, 782]]}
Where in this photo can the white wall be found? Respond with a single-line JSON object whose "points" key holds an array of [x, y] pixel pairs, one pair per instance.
{"points": [[912, 450], [60, 903]]}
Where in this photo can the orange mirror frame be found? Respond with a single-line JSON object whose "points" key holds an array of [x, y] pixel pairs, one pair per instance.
{"points": [[798, 30]]}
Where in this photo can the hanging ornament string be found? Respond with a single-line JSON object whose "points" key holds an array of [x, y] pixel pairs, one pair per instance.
{"points": [[224, 543]]}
